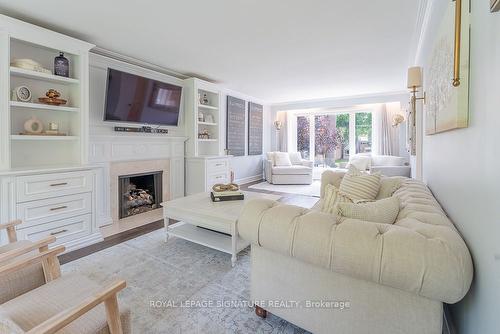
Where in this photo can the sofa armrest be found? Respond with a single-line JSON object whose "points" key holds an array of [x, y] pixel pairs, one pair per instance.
{"points": [[392, 170], [268, 170], [307, 163], [405, 258]]}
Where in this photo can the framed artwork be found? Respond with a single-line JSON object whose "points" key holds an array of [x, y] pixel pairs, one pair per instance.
{"points": [[447, 106], [235, 126], [255, 131]]}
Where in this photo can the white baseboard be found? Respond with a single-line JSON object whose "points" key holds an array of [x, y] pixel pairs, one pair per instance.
{"points": [[249, 179]]}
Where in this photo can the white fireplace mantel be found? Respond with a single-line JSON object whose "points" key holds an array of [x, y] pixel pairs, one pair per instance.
{"points": [[108, 148]]}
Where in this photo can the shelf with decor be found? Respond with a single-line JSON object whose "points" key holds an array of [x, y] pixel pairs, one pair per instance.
{"points": [[31, 105], [36, 100], [206, 106], [207, 123], [30, 74], [203, 116], [43, 137]]}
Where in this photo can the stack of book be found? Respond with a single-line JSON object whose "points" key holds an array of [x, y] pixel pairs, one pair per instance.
{"points": [[221, 196]]}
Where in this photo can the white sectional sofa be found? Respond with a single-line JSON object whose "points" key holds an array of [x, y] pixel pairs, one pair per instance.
{"points": [[293, 170], [394, 277], [387, 165]]}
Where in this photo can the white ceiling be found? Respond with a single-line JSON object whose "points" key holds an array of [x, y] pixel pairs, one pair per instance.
{"points": [[273, 50]]}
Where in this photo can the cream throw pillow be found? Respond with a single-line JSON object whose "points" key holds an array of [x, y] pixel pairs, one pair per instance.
{"points": [[296, 158], [332, 198], [282, 159], [361, 162], [270, 156], [388, 186], [360, 186], [384, 211]]}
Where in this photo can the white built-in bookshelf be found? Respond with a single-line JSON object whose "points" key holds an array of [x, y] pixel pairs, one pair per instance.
{"points": [[19, 150], [201, 116]]}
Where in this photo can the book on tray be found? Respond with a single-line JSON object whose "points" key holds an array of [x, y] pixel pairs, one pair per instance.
{"points": [[221, 196]]}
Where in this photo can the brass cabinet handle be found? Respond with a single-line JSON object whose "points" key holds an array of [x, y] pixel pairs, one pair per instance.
{"points": [[58, 232], [59, 184], [58, 208]]}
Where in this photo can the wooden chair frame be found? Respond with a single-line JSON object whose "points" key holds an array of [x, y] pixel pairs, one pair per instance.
{"points": [[11, 229], [48, 257]]}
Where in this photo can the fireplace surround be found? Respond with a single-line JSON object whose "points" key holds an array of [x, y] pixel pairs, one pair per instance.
{"points": [[134, 170]]}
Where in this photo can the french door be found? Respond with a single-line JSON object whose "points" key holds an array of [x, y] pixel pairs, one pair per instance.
{"points": [[329, 138]]}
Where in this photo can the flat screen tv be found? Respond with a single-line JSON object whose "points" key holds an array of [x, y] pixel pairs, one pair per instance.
{"points": [[134, 99]]}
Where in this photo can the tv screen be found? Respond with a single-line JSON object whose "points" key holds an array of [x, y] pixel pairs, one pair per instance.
{"points": [[135, 99]]}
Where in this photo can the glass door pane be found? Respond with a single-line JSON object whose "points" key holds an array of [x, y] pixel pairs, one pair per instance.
{"points": [[327, 140], [363, 132], [303, 137], [343, 129]]}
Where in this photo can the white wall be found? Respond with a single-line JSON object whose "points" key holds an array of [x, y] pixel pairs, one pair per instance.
{"points": [[461, 167], [249, 167], [246, 168]]}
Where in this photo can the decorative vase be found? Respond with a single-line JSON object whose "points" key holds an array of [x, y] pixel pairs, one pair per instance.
{"points": [[204, 99], [61, 65], [33, 125]]}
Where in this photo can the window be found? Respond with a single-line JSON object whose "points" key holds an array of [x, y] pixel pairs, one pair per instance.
{"points": [[342, 123], [329, 138], [303, 137], [363, 132]]}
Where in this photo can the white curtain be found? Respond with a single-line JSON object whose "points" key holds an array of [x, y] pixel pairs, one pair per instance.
{"points": [[385, 136], [282, 144]]}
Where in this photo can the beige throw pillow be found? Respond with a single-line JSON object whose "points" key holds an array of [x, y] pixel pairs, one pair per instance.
{"points": [[360, 186], [332, 198], [282, 159], [270, 156], [384, 211], [295, 158], [388, 186], [361, 162]]}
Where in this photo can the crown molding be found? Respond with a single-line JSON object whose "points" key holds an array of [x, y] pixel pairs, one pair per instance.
{"points": [[134, 61]]}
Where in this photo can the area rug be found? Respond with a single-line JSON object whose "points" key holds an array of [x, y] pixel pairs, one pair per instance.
{"points": [[307, 189], [177, 287]]}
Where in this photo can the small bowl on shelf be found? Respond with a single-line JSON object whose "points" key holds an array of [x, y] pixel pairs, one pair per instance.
{"points": [[52, 101]]}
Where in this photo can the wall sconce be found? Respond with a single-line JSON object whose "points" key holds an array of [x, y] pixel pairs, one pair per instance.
{"points": [[278, 125], [415, 82], [397, 120]]}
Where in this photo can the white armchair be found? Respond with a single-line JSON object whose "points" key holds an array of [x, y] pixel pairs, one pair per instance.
{"points": [[287, 168]]}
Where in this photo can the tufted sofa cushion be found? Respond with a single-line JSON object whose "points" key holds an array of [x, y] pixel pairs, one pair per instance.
{"points": [[421, 252]]}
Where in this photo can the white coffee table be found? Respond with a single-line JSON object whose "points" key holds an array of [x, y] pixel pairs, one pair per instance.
{"points": [[207, 223]]}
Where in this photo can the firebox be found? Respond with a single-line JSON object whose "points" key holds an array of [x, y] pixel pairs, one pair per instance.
{"points": [[139, 193]]}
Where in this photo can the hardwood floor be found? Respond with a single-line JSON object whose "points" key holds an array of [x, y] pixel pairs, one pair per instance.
{"points": [[110, 241], [292, 199]]}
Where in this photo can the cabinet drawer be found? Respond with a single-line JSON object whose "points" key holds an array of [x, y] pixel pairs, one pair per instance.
{"points": [[217, 178], [64, 230], [35, 187], [47, 210], [217, 165]]}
